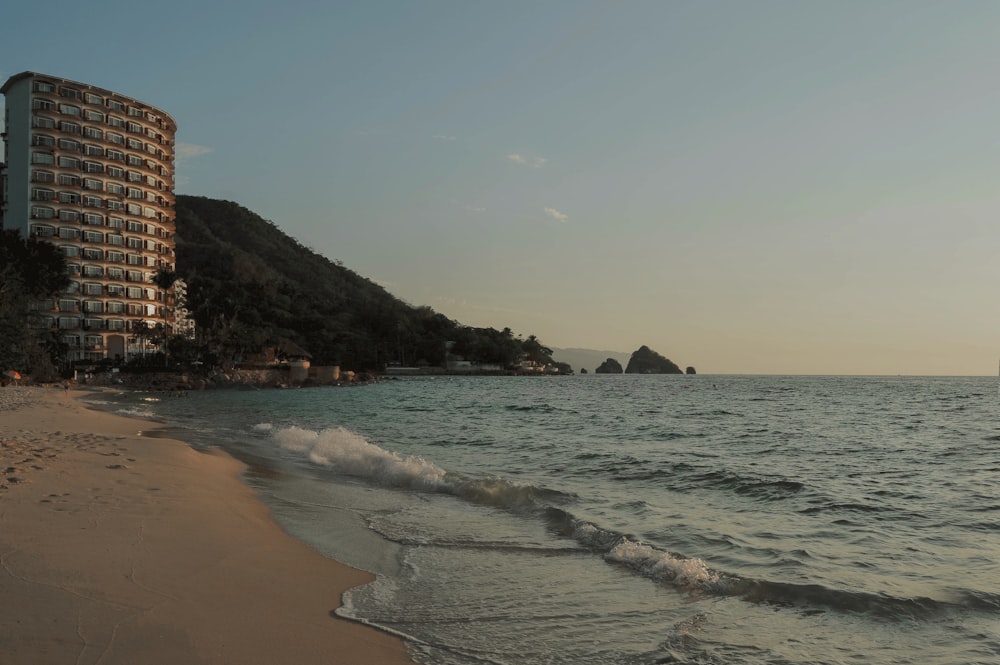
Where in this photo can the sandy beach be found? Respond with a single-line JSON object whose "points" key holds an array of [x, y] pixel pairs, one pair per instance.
{"points": [[117, 547]]}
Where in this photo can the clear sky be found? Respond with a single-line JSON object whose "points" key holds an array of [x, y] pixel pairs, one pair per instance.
{"points": [[747, 187]]}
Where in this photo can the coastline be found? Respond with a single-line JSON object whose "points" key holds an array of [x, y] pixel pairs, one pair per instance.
{"points": [[120, 547]]}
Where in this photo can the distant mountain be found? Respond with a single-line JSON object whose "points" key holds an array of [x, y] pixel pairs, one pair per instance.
{"points": [[588, 359]]}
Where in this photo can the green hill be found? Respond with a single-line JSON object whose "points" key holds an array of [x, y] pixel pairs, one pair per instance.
{"points": [[250, 286]]}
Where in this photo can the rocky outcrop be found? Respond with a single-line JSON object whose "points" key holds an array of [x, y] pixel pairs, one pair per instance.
{"points": [[690, 370], [647, 361], [609, 366]]}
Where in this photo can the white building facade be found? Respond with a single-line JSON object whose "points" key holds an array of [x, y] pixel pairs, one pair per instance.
{"points": [[92, 172]]}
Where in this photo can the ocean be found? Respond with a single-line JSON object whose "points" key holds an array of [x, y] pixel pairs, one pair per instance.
{"points": [[638, 519]]}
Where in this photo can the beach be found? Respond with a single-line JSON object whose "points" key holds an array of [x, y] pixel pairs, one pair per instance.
{"points": [[120, 547]]}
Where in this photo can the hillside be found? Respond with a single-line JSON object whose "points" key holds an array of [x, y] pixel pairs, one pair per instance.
{"points": [[251, 286]]}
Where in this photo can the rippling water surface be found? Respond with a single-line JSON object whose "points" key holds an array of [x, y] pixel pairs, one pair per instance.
{"points": [[642, 519]]}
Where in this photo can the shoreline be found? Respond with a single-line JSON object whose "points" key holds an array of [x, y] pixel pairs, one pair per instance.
{"points": [[120, 547]]}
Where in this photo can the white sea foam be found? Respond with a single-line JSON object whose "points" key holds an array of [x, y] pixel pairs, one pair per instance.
{"points": [[263, 427], [661, 565], [349, 453]]}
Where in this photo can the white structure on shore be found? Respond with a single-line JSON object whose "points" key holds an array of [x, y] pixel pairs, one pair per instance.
{"points": [[92, 171]]}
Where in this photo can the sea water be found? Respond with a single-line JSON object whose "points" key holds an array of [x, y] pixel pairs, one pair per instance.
{"points": [[640, 519]]}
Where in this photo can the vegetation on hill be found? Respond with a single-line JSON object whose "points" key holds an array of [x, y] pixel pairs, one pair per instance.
{"points": [[250, 286]]}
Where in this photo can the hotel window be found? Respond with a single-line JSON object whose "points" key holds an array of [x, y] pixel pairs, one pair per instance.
{"points": [[116, 324], [69, 234], [114, 187], [69, 92], [115, 290], [68, 197], [93, 236], [73, 268], [91, 98], [133, 127], [70, 250], [42, 231], [134, 144], [69, 162], [149, 245], [133, 193], [115, 273], [113, 204], [93, 341], [42, 158], [115, 121], [133, 292], [69, 109], [153, 198], [43, 123], [69, 144], [43, 139], [43, 105], [152, 149], [93, 184], [135, 227], [133, 160], [69, 305], [115, 105], [135, 112], [116, 155], [93, 324], [134, 260], [93, 202], [134, 243], [93, 167], [93, 220], [133, 209], [93, 150], [69, 180], [115, 222], [95, 116], [117, 139], [73, 287], [93, 133], [93, 306], [119, 240], [42, 195], [134, 309], [93, 271], [43, 86], [69, 127], [93, 254], [69, 215], [43, 176], [134, 176], [68, 323], [116, 172]]}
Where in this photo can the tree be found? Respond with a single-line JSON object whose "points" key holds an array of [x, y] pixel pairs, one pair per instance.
{"points": [[30, 271], [165, 279]]}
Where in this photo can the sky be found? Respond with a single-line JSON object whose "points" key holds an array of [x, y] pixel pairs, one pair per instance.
{"points": [[765, 187]]}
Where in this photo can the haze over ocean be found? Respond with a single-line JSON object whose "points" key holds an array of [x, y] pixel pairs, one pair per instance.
{"points": [[640, 519]]}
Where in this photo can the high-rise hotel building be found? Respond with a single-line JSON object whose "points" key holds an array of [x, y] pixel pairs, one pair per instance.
{"points": [[92, 171]]}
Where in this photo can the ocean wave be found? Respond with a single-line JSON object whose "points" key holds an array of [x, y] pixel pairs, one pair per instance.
{"points": [[349, 453]]}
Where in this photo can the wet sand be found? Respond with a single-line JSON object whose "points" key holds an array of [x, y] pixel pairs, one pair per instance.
{"points": [[121, 548]]}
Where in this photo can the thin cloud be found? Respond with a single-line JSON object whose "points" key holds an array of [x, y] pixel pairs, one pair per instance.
{"points": [[560, 217], [185, 151], [527, 160], [444, 137]]}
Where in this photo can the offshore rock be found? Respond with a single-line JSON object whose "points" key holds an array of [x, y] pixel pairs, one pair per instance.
{"points": [[690, 370], [647, 361], [609, 366]]}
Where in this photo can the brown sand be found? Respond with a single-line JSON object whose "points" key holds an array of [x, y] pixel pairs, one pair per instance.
{"points": [[119, 548]]}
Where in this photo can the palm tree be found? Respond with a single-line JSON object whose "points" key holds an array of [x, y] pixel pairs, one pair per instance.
{"points": [[165, 280]]}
